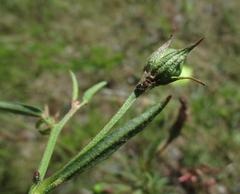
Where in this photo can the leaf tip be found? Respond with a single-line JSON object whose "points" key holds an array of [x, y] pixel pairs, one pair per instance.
{"points": [[200, 40], [167, 99]]}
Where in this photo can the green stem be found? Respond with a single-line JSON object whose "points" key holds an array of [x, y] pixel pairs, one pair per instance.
{"points": [[52, 141], [56, 130], [132, 97]]}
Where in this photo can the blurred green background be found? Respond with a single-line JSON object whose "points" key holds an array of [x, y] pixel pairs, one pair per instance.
{"points": [[111, 40]]}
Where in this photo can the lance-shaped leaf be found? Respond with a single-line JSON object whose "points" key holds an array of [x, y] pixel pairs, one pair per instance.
{"points": [[91, 91], [22, 109], [75, 85], [102, 150]]}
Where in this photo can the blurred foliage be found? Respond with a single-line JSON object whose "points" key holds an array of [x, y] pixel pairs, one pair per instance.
{"points": [[111, 40]]}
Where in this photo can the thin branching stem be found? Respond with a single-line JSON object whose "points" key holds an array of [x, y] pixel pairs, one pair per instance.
{"points": [[53, 139]]}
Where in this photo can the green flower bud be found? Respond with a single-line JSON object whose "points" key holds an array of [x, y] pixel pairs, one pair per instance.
{"points": [[162, 68]]}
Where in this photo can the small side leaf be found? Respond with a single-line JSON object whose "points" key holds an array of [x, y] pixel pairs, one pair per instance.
{"points": [[102, 150], [91, 91], [22, 109], [39, 122], [46, 131], [75, 85]]}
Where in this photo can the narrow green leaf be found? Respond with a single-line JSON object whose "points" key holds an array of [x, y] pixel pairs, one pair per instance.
{"points": [[22, 109], [46, 131], [125, 106], [91, 91], [75, 85], [102, 150], [39, 122]]}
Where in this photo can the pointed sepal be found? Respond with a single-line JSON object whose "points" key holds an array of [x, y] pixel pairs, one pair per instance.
{"points": [[163, 69]]}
